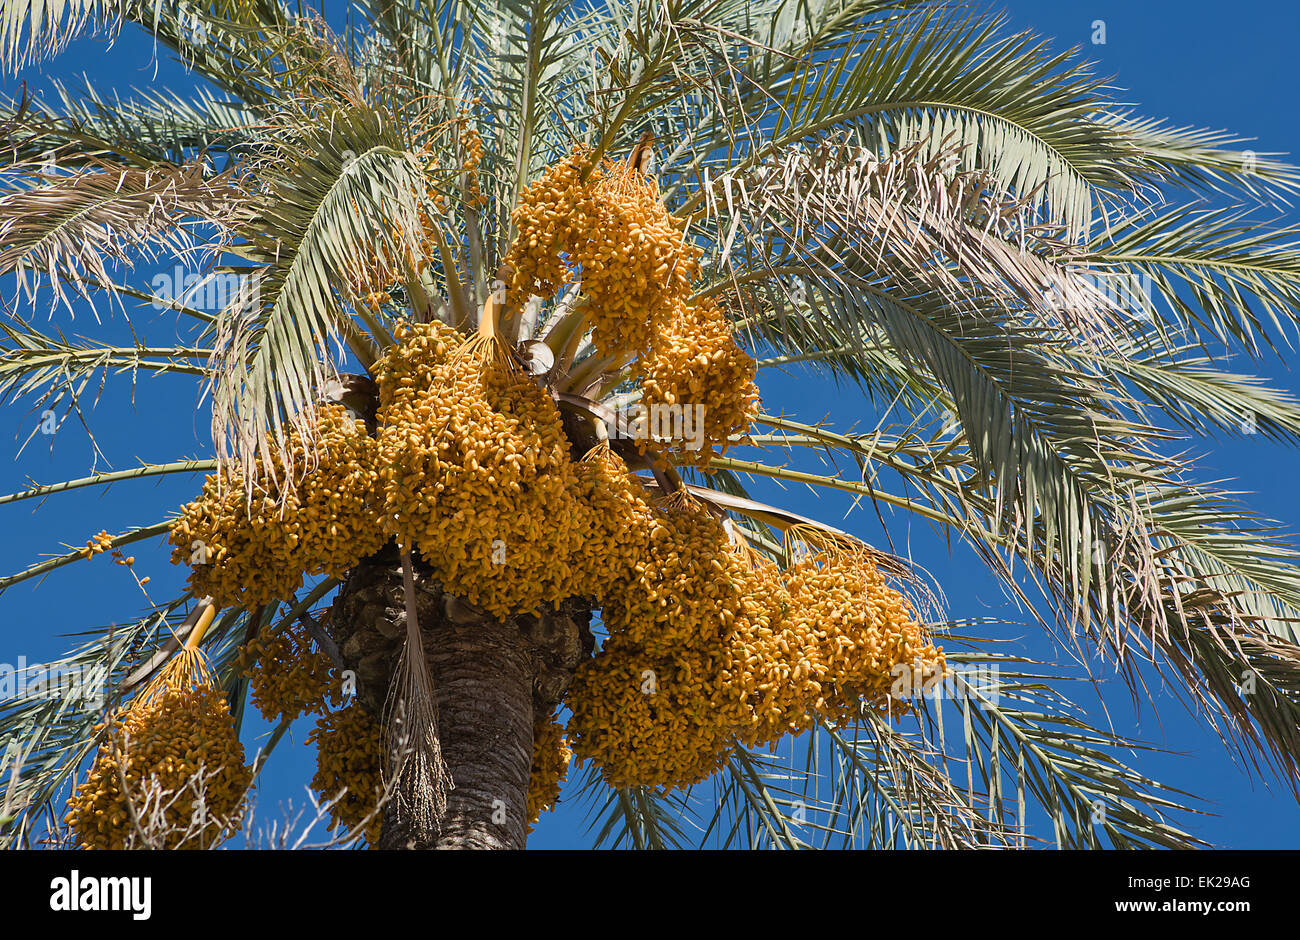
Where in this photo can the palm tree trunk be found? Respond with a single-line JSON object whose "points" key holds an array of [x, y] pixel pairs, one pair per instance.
{"points": [[490, 678]]}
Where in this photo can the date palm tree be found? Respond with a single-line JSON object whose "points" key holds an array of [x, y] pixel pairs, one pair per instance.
{"points": [[1031, 287]]}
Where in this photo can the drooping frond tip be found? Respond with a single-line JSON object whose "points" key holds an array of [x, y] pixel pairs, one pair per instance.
{"points": [[31, 30]]}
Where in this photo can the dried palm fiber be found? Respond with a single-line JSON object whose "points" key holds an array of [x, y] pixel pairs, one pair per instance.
{"points": [[616, 514], [287, 675], [695, 361], [686, 589], [551, 755], [246, 551], [350, 757], [634, 262], [414, 760], [171, 764], [477, 476], [652, 721]]}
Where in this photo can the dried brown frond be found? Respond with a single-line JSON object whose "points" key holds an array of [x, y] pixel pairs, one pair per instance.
{"points": [[70, 228]]}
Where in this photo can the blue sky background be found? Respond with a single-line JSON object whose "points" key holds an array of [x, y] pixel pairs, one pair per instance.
{"points": [[1196, 63]]}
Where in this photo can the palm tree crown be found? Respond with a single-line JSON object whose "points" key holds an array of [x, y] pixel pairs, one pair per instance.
{"points": [[1031, 286]]}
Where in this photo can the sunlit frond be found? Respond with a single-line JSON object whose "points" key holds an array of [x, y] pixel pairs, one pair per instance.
{"points": [[67, 230], [332, 195]]}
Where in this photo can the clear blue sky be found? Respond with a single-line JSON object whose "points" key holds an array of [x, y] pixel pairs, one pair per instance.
{"points": [[1196, 63]]}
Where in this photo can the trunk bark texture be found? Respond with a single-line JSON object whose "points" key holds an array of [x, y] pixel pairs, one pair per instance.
{"points": [[491, 679]]}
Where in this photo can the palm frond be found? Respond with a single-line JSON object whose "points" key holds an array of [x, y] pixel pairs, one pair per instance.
{"points": [[60, 561], [917, 804], [1203, 160], [941, 78], [636, 817], [70, 229], [1188, 390], [56, 724], [32, 361], [31, 30], [1033, 753], [1033, 768], [151, 127], [1161, 560], [1222, 276], [41, 491], [336, 195]]}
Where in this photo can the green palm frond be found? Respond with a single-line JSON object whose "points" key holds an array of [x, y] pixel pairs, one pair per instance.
{"points": [[332, 195], [1187, 389], [57, 375], [635, 817], [67, 558], [33, 363], [1000, 760], [917, 803], [933, 234], [57, 731], [1033, 752], [1252, 675], [1223, 277], [40, 491], [33, 29], [941, 78], [218, 39], [763, 802], [1176, 554], [1203, 160], [156, 126]]}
